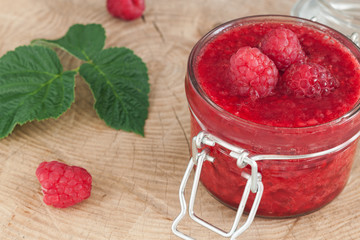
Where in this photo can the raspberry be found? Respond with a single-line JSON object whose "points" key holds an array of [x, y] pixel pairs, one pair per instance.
{"points": [[253, 73], [63, 185], [126, 9], [309, 80], [283, 47]]}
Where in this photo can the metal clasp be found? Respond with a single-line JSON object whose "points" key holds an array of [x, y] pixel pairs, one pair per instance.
{"points": [[253, 184]]}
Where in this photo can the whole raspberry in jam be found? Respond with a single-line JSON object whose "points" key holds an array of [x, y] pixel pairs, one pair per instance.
{"points": [[63, 185], [283, 47], [309, 80], [126, 9], [252, 73]]}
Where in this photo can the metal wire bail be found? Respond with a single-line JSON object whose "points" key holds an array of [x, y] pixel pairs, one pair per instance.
{"points": [[253, 184]]}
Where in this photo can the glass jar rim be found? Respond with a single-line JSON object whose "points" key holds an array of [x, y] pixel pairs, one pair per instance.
{"points": [[273, 17]]}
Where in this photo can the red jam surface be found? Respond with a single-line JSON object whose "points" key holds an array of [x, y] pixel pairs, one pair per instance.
{"points": [[280, 109], [291, 187]]}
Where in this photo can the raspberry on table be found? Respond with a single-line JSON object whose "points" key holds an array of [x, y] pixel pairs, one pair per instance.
{"points": [[63, 185], [283, 47], [309, 80], [126, 9], [252, 73]]}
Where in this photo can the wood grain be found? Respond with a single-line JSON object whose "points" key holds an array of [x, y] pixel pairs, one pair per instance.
{"points": [[135, 179]]}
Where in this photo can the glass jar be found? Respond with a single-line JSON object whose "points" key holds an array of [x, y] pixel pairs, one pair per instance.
{"points": [[301, 168], [342, 15]]}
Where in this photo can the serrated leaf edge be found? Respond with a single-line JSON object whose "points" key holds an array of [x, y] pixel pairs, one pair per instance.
{"points": [[142, 133], [51, 44], [11, 129]]}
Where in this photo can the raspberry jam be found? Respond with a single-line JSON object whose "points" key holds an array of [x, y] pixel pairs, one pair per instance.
{"points": [[278, 124]]}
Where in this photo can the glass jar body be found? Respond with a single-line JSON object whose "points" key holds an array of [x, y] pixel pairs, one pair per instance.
{"points": [[291, 187]]}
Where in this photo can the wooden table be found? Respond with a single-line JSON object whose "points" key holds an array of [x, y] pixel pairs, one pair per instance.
{"points": [[135, 179]]}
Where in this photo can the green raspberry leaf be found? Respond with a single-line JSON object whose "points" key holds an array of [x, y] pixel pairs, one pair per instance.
{"points": [[33, 86], [81, 41], [119, 81]]}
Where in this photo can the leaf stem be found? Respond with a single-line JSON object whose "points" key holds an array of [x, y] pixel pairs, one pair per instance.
{"points": [[76, 69]]}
